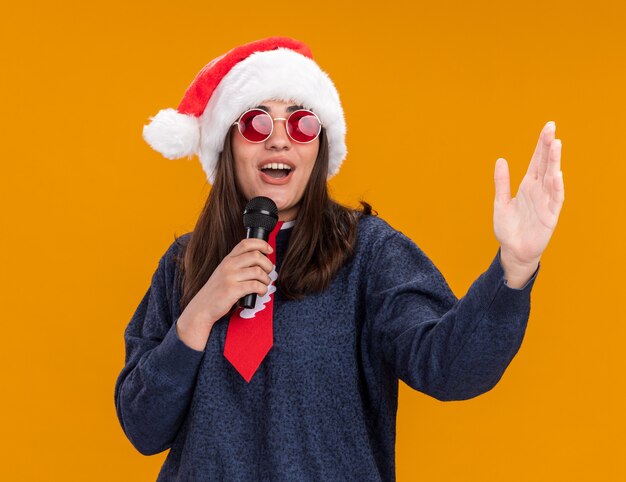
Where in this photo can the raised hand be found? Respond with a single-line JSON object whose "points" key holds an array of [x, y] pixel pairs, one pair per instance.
{"points": [[524, 224]]}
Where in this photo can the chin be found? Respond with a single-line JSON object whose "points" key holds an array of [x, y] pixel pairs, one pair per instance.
{"points": [[282, 207], [277, 197]]}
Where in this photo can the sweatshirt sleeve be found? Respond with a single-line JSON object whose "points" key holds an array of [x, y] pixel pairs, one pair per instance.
{"points": [[448, 348], [154, 389]]}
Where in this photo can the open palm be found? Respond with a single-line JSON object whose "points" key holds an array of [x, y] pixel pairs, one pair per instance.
{"points": [[524, 224]]}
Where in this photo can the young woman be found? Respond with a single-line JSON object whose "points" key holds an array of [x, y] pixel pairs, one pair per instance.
{"points": [[305, 385]]}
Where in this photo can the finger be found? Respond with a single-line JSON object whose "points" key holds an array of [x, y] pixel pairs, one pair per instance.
{"points": [[253, 258], [541, 150], [554, 165], [556, 148], [558, 197], [545, 151], [253, 273], [250, 244], [247, 287], [502, 181]]}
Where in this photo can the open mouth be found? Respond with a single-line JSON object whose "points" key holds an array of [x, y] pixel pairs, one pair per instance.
{"points": [[275, 175]]}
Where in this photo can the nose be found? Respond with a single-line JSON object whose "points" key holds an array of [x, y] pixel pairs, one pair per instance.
{"points": [[279, 140]]}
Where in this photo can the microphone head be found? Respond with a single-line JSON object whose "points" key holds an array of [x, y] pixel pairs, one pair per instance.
{"points": [[260, 212]]}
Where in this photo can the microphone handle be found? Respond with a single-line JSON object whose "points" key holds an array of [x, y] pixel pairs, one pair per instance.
{"points": [[249, 300]]}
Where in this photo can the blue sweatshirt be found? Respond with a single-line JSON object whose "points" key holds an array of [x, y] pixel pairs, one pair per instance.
{"points": [[322, 404]]}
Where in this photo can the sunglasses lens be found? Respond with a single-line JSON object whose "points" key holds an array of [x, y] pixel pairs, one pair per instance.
{"points": [[303, 126], [255, 125]]}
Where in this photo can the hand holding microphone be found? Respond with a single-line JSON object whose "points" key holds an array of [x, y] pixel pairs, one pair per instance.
{"points": [[243, 273]]}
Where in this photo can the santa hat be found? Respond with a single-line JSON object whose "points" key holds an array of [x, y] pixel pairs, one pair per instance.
{"points": [[275, 68]]}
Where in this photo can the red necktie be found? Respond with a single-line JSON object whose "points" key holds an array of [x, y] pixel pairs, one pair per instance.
{"points": [[250, 331]]}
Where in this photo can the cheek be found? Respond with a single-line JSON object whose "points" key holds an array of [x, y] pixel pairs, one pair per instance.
{"points": [[244, 178], [309, 153], [312, 158], [237, 146], [308, 164], [242, 175], [242, 153]]}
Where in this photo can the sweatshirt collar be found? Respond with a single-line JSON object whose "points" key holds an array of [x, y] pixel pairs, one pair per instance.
{"points": [[288, 224]]}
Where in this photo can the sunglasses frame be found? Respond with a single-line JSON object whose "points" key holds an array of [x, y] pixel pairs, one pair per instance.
{"points": [[286, 119]]}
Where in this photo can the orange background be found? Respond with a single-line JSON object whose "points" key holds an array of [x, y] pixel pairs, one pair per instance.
{"points": [[433, 92]]}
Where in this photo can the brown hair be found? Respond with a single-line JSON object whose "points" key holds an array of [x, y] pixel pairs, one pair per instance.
{"points": [[322, 239]]}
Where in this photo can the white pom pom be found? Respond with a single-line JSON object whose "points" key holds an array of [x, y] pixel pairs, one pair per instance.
{"points": [[173, 134]]}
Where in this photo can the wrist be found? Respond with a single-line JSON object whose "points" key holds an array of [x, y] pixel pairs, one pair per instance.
{"points": [[517, 273], [193, 332]]}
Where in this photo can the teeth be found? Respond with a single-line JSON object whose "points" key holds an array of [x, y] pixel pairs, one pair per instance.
{"points": [[276, 165]]}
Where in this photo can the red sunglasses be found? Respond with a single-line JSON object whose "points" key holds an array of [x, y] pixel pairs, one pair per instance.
{"points": [[302, 125]]}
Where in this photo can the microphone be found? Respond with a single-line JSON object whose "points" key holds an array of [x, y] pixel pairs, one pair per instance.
{"points": [[259, 218]]}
